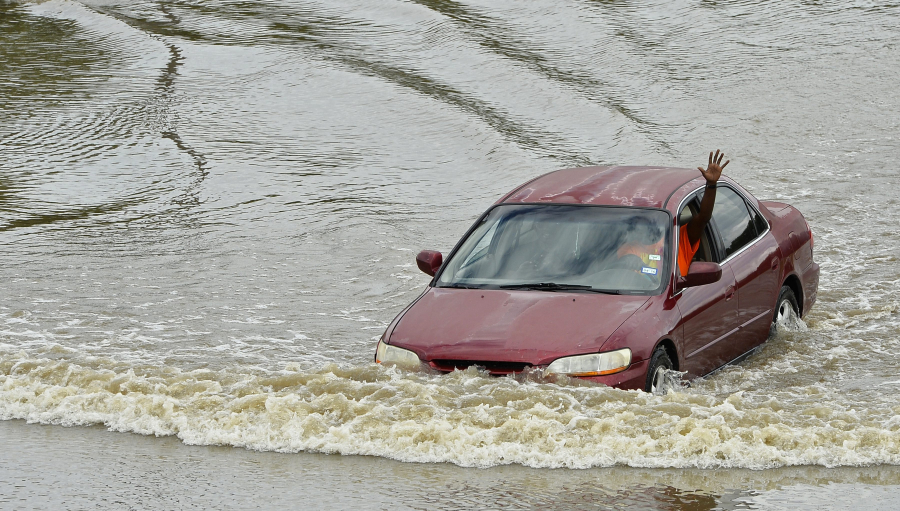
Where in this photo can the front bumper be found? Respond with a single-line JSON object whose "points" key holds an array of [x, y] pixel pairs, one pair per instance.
{"points": [[633, 378]]}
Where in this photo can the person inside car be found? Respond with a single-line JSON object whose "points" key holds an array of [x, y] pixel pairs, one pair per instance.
{"points": [[643, 248], [690, 233]]}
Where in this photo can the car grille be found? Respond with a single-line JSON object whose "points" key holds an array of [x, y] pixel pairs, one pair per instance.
{"points": [[493, 367]]}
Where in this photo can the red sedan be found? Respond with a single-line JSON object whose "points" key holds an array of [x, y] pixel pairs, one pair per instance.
{"points": [[550, 277]]}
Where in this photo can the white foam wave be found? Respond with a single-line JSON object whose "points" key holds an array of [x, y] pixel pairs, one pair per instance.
{"points": [[465, 418]]}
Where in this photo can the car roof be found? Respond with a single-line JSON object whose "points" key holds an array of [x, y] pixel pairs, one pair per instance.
{"points": [[618, 186]]}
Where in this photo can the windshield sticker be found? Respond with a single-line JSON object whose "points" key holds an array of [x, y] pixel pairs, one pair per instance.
{"points": [[654, 257], [651, 271]]}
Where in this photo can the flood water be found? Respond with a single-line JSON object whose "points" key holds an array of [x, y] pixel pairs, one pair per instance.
{"points": [[209, 213]]}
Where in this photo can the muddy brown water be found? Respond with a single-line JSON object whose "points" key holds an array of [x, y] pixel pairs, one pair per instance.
{"points": [[209, 212]]}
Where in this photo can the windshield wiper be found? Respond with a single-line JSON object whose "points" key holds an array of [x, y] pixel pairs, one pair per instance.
{"points": [[553, 286]]}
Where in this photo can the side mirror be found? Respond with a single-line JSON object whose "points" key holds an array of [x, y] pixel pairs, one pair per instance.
{"points": [[699, 274], [430, 261]]}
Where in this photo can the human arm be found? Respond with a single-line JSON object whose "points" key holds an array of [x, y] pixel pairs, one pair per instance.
{"points": [[712, 173]]}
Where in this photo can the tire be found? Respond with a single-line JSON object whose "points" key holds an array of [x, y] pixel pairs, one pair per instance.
{"points": [[787, 312], [656, 371]]}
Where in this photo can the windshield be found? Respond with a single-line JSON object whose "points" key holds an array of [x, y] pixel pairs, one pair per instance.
{"points": [[563, 247]]}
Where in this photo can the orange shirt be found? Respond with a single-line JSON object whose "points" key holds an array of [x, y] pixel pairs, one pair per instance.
{"points": [[686, 251]]}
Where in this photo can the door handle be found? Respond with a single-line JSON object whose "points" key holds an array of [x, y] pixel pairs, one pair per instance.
{"points": [[729, 293], [774, 263]]}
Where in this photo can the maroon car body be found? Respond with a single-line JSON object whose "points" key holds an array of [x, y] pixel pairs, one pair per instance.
{"points": [[701, 328]]}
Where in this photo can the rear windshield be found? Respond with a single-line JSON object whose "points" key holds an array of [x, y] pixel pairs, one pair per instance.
{"points": [[554, 247]]}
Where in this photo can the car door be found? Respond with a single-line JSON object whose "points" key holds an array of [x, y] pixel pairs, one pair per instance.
{"points": [[752, 256], [709, 313]]}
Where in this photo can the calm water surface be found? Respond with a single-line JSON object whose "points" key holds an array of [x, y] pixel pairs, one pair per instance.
{"points": [[209, 213]]}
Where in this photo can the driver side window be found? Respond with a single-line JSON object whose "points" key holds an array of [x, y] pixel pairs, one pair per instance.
{"points": [[707, 250]]}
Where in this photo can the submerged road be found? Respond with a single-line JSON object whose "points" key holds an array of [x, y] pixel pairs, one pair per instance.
{"points": [[209, 213]]}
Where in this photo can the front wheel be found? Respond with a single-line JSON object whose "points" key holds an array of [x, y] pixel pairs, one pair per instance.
{"points": [[656, 372]]}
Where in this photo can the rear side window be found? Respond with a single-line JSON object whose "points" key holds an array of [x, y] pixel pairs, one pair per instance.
{"points": [[760, 222], [733, 220]]}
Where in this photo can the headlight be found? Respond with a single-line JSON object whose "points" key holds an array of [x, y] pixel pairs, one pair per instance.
{"points": [[387, 354], [595, 364]]}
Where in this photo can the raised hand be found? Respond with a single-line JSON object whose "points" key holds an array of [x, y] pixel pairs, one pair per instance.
{"points": [[714, 170]]}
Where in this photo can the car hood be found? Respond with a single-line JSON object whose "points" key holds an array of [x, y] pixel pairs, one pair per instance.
{"points": [[532, 327]]}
